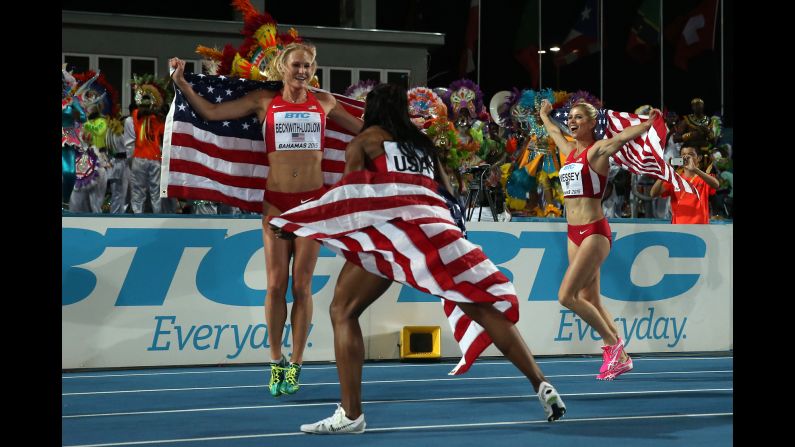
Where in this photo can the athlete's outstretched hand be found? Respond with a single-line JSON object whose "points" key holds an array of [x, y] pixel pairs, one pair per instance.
{"points": [[177, 68]]}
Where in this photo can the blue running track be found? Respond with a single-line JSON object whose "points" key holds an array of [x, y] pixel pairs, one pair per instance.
{"points": [[664, 401]]}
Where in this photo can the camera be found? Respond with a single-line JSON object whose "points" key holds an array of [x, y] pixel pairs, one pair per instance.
{"points": [[677, 161], [476, 169]]}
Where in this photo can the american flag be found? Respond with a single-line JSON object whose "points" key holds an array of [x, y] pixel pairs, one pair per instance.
{"points": [[644, 154], [225, 161], [583, 39], [398, 226]]}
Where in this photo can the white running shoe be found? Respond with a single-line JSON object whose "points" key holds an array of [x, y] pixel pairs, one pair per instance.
{"points": [[551, 401], [338, 423]]}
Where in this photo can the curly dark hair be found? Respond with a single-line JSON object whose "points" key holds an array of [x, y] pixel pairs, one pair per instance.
{"points": [[387, 106]]}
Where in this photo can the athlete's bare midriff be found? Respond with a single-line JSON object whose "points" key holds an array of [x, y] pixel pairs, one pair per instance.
{"points": [[295, 171], [583, 210]]}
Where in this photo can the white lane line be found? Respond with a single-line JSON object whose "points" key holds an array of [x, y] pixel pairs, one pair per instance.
{"points": [[224, 370], [158, 390], [414, 427], [439, 399]]}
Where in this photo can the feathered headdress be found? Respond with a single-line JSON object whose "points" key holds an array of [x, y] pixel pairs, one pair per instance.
{"points": [[150, 90], [254, 57], [424, 103], [445, 138], [97, 93], [68, 83], [464, 94], [360, 89], [584, 96], [529, 107], [561, 97]]}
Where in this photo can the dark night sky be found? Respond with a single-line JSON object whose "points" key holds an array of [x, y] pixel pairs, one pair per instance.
{"points": [[627, 83]]}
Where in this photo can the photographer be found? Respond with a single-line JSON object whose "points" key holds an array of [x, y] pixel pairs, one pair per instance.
{"points": [[721, 202], [688, 208]]}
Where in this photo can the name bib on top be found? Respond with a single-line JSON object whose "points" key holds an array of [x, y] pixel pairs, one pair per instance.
{"points": [[571, 179], [397, 162], [297, 131]]}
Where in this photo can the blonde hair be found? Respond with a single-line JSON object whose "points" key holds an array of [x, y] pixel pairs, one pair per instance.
{"points": [[589, 109], [278, 65]]}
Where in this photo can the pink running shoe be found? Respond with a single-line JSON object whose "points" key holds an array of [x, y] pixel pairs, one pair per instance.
{"points": [[611, 354], [617, 369], [605, 358]]}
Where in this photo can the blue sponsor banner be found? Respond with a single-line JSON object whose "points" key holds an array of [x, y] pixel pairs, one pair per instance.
{"points": [[167, 291], [219, 277]]}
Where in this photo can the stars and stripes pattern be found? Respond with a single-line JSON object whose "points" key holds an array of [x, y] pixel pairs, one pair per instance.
{"points": [[225, 161], [583, 39], [400, 227], [642, 155]]}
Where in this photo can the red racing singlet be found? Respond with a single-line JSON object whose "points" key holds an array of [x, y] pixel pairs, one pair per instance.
{"points": [[392, 160], [578, 179], [294, 127]]}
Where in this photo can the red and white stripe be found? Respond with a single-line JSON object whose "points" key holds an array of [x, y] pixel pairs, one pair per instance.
{"points": [[200, 165], [644, 154], [396, 226]]}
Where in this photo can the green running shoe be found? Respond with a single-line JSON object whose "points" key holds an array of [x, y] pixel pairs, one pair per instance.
{"points": [[277, 377], [290, 384]]}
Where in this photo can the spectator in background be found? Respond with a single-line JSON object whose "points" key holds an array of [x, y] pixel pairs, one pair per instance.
{"points": [[728, 176], [722, 201], [129, 146], [676, 126], [698, 131], [91, 167], [72, 117], [689, 208], [119, 179], [148, 126]]}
